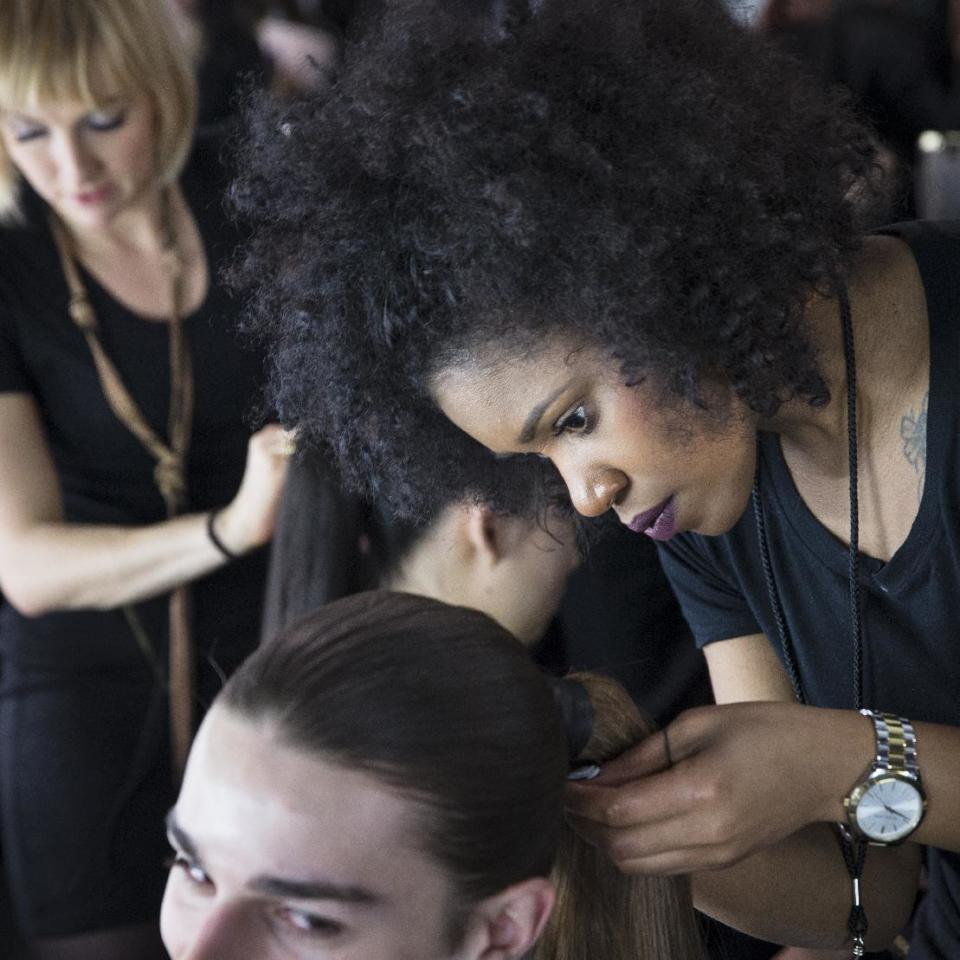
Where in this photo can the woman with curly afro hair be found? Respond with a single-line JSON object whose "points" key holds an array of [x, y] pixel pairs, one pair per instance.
{"points": [[616, 244]]}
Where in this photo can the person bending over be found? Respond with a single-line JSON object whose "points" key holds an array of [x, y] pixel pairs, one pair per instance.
{"points": [[329, 544], [623, 238]]}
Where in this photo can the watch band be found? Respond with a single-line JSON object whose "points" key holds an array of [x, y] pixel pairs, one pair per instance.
{"points": [[896, 743]]}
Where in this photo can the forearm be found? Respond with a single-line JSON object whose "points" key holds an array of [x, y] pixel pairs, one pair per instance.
{"points": [[62, 566], [798, 891], [851, 740], [744, 669], [48, 564]]}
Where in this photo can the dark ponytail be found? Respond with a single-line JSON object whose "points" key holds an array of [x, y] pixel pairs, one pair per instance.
{"points": [[327, 544]]}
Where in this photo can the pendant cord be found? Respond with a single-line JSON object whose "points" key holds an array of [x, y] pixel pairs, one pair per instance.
{"points": [[854, 851], [169, 455], [853, 554], [856, 624]]}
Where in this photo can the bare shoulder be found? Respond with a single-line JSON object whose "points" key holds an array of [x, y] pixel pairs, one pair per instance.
{"points": [[887, 288], [890, 319]]}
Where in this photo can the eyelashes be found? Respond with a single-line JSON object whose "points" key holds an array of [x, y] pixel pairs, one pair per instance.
{"points": [[97, 121], [578, 421], [194, 872], [31, 133], [289, 920], [104, 122], [309, 924]]}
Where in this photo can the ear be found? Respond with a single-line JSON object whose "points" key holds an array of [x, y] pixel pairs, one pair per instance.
{"points": [[512, 921], [483, 530]]}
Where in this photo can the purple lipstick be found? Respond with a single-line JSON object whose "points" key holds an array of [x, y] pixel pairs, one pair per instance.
{"points": [[658, 523]]}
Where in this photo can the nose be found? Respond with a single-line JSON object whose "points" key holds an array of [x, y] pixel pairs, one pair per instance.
{"points": [[594, 491], [208, 931], [77, 165]]}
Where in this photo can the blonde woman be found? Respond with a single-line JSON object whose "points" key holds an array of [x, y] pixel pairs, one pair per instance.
{"points": [[131, 490]]}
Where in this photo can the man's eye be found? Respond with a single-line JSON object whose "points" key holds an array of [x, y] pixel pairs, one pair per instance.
{"points": [[576, 421], [103, 120], [194, 872], [309, 923]]}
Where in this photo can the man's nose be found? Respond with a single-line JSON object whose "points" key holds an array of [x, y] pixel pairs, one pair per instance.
{"points": [[218, 936]]}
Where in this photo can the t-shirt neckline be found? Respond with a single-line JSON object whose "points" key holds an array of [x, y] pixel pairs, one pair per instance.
{"points": [[895, 574]]}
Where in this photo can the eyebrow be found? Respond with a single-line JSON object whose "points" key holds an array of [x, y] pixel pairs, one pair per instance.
{"points": [[181, 837], [115, 103], [533, 418], [314, 890], [281, 886]]}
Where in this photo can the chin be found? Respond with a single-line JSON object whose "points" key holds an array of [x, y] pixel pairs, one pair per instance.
{"points": [[727, 515]]}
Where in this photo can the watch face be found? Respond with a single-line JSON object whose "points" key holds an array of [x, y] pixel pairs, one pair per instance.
{"points": [[889, 809]]}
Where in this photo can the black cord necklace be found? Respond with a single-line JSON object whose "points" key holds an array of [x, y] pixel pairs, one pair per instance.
{"points": [[854, 852]]}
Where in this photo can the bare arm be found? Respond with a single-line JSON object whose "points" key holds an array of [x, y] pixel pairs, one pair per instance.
{"points": [[842, 740], [47, 564], [742, 804], [798, 891], [806, 868]]}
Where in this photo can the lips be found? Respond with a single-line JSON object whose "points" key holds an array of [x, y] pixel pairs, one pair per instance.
{"points": [[94, 196], [658, 523]]}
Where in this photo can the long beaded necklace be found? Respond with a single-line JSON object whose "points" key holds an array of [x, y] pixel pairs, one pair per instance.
{"points": [[170, 456], [854, 851]]}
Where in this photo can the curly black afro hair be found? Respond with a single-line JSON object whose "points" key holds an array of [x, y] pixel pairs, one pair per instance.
{"points": [[646, 175]]}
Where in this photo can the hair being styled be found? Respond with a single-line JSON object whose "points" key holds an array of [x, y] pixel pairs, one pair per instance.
{"points": [[445, 706], [646, 177], [88, 50], [600, 912], [327, 544]]}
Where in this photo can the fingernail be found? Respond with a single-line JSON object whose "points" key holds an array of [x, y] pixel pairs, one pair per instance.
{"points": [[585, 771]]}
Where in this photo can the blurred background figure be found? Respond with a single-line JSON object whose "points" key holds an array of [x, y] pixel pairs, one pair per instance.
{"points": [[236, 43], [329, 545], [899, 58], [801, 27]]}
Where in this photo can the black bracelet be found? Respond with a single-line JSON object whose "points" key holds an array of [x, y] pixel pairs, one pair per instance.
{"points": [[215, 540]]}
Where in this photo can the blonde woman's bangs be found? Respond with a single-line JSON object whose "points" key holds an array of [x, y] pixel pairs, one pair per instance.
{"points": [[93, 52]]}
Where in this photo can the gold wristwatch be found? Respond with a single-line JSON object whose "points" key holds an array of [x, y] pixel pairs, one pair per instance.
{"points": [[887, 805]]}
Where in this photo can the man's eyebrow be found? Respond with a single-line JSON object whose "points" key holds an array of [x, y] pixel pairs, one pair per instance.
{"points": [[314, 890], [182, 839], [280, 886], [533, 419]]}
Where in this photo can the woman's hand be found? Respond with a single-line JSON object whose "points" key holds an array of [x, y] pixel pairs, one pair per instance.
{"points": [[744, 776], [248, 521]]}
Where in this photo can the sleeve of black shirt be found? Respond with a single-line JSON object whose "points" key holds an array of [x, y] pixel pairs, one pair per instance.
{"points": [[713, 604], [13, 373]]}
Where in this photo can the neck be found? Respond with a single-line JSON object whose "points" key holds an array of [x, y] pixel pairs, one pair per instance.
{"points": [[888, 311], [819, 429], [420, 577]]}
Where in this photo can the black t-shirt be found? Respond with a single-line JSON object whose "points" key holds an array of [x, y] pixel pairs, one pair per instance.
{"points": [[911, 604], [105, 474]]}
